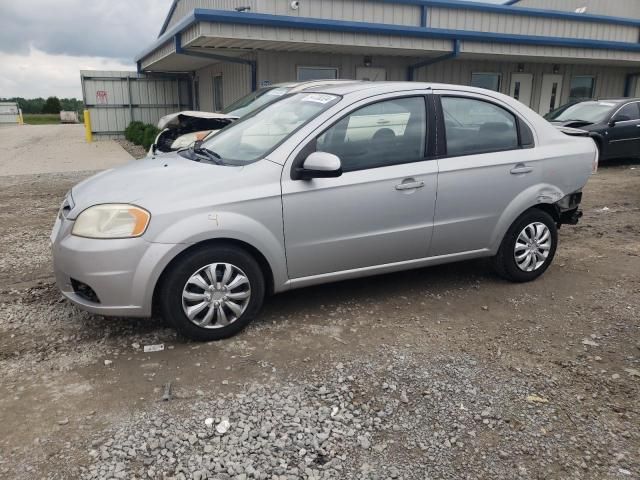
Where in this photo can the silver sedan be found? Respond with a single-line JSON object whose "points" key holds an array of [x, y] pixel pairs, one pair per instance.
{"points": [[339, 182]]}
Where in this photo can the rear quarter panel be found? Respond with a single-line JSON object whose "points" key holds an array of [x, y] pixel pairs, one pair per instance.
{"points": [[565, 165]]}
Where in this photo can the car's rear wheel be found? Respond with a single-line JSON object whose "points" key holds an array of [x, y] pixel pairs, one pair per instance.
{"points": [[212, 293], [528, 247]]}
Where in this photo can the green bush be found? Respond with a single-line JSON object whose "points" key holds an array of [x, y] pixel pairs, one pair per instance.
{"points": [[149, 136], [141, 134], [134, 132]]}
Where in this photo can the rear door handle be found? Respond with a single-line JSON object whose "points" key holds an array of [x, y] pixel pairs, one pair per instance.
{"points": [[520, 169], [409, 185]]}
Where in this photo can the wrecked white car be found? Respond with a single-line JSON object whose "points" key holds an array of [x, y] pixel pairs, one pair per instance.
{"points": [[180, 130]]}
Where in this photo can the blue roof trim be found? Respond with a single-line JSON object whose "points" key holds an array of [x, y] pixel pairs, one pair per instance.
{"points": [[172, 9], [306, 23], [508, 9]]}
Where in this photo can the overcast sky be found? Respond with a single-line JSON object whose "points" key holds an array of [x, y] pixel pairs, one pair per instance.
{"points": [[45, 43]]}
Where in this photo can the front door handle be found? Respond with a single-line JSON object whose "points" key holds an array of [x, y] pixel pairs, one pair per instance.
{"points": [[409, 185], [520, 169]]}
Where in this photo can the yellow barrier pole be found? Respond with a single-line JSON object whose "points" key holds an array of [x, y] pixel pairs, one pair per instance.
{"points": [[87, 126], [20, 117]]}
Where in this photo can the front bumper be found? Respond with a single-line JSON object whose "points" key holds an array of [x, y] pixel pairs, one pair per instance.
{"points": [[121, 272]]}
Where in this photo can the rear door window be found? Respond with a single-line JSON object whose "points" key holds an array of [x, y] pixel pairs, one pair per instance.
{"points": [[630, 111], [475, 126]]}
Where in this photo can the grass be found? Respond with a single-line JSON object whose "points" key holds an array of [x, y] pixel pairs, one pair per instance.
{"points": [[46, 118], [41, 118]]}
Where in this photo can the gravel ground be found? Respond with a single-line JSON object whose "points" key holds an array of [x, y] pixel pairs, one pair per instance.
{"points": [[439, 373], [37, 149], [136, 151]]}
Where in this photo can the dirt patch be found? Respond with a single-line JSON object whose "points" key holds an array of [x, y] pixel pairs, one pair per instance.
{"points": [[446, 372]]}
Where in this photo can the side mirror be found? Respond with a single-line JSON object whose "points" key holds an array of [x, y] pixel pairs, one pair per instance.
{"points": [[618, 119], [319, 165]]}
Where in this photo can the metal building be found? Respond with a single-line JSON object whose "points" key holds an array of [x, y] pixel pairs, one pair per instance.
{"points": [[543, 52]]}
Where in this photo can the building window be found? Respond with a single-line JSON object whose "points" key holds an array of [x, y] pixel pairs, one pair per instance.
{"points": [[581, 88], [317, 73], [490, 81]]}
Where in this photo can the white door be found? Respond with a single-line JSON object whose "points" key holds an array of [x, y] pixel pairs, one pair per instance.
{"points": [[374, 74], [550, 93], [521, 87]]}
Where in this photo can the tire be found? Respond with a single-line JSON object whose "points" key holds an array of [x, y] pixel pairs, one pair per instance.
{"points": [[505, 262], [181, 292]]}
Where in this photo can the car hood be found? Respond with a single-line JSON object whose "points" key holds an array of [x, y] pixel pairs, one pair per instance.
{"points": [[185, 119], [159, 181]]}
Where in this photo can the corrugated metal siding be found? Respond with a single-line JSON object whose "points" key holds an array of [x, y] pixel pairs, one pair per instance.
{"points": [[356, 10], [190, 34], [164, 51], [559, 53], [524, 25], [219, 31], [277, 68], [452, 18], [616, 8], [106, 95], [609, 81], [236, 82]]}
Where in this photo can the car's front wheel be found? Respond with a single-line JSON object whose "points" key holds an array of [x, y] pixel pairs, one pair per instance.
{"points": [[212, 293], [528, 247]]}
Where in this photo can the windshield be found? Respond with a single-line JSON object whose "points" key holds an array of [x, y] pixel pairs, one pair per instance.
{"points": [[255, 100], [592, 112], [256, 135]]}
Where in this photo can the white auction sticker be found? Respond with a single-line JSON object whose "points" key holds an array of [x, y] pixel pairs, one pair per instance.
{"points": [[278, 92], [318, 98]]}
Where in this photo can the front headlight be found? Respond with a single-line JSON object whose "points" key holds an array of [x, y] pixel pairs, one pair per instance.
{"points": [[111, 221]]}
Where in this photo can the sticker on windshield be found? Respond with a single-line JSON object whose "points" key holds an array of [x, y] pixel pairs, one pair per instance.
{"points": [[318, 98], [278, 92]]}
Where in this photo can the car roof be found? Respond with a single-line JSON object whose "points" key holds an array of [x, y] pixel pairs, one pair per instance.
{"points": [[310, 83], [374, 88], [617, 101]]}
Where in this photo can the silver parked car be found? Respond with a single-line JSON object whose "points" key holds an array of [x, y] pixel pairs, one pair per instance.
{"points": [[340, 182]]}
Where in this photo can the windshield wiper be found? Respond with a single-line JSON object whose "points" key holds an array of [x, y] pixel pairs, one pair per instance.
{"points": [[198, 153], [210, 155]]}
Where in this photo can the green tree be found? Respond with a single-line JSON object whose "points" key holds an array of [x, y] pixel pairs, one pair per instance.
{"points": [[52, 105]]}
